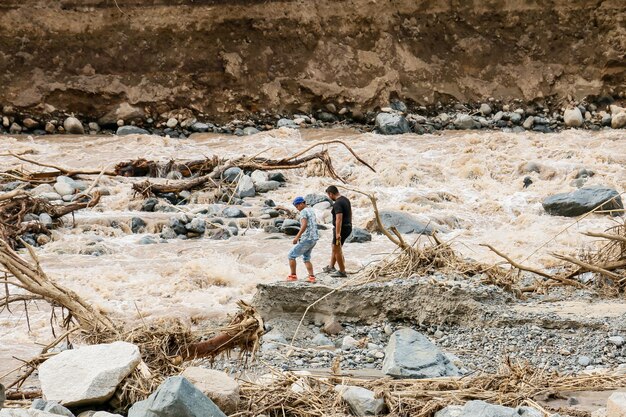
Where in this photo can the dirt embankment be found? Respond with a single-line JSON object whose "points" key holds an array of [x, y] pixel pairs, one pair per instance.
{"points": [[231, 58]]}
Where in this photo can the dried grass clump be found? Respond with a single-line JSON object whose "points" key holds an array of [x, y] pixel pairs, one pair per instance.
{"points": [[515, 384]]}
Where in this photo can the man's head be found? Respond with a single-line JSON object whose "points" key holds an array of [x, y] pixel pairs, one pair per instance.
{"points": [[332, 192], [299, 203]]}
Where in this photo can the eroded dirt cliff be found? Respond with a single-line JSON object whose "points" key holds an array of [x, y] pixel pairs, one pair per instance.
{"points": [[232, 58]]}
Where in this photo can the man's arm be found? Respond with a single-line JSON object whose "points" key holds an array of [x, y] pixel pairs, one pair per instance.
{"points": [[303, 225], [338, 222]]}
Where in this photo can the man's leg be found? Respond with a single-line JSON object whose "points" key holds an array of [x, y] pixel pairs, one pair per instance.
{"points": [[292, 266], [309, 267], [339, 257]]}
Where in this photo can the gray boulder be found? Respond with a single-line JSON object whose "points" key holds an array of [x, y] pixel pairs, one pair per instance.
{"points": [[249, 131], [404, 222], [362, 401], [485, 109], [73, 126], [218, 386], [313, 199], [410, 354], [131, 130], [176, 397], [231, 174], [582, 201], [391, 124], [245, 187], [466, 122], [267, 186], [618, 120], [51, 407], [88, 375], [137, 224], [196, 225], [286, 123], [359, 236], [199, 127]]}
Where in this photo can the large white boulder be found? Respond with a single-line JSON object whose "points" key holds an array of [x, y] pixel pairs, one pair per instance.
{"points": [[88, 375], [219, 387], [573, 117], [616, 405], [362, 401]]}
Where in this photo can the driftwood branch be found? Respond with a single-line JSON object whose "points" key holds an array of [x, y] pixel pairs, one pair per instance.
{"points": [[588, 267]]}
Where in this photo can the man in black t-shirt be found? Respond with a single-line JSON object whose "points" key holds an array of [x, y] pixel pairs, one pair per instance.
{"points": [[342, 223]]}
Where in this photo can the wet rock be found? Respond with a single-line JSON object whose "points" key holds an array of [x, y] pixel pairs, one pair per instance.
{"points": [[616, 340], [149, 204], [199, 127], [245, 187], [573, 117], [178, 226], [137, 224], [172, 122], [529, 122], [94, 127], [410, 354], [147, 240], [50, 196], [359, 236], [332, 327], [582, 201], [64, 188], [277, 176], [404, 222], [131, 130], [218, 386], [249, 131], [50, 128], [391, 124], [233, 213], [515, 118], [196, 225], [290, 230], [73, 126], [362, 401], [584, 360], [232, 174], [221, 234], [176, 397], [465, 122], [267, 186], [88, 375], [616, 405], [52, 407]]}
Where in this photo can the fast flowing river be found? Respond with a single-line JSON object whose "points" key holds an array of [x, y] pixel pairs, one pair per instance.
{"points": [[470, 183]]}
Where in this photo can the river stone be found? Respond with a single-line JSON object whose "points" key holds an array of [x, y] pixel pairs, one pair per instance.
{"points": [[362, 401], [131, 130], [176, 397], [64, 188], [618, 120], [124, 111], [529, 122], [105, 414], [410, 354], [51, 407], [267, 186], [87, 375], [258, 176], [137, 224], [404, 222], [73, 126], [50, 196], [485, 109], [249, 131], [30, 123], [573, 117], [231, 174], [245, 187], [321, 340], [391, 124], [582, 201], [45, 219], [218, 386], [359, 236], [233, 213], [465, 122], [196, 225], [277, 176]]}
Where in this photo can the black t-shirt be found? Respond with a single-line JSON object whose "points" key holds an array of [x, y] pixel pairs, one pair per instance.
{"points": [[342, 205]]}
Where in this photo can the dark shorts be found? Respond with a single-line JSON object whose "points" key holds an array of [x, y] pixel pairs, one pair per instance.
{"points": [[345, 232]]}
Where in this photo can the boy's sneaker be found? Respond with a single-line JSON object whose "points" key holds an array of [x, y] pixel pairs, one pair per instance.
{"points": [[311, 279], [329, 269], [339, 274]]}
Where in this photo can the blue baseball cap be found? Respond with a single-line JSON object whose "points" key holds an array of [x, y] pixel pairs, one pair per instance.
{"points": [[298, 200]]}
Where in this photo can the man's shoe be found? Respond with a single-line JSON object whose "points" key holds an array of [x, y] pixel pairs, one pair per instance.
{"points": [[329, 269], [311, 279], [339, 274], [292, 278]]}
